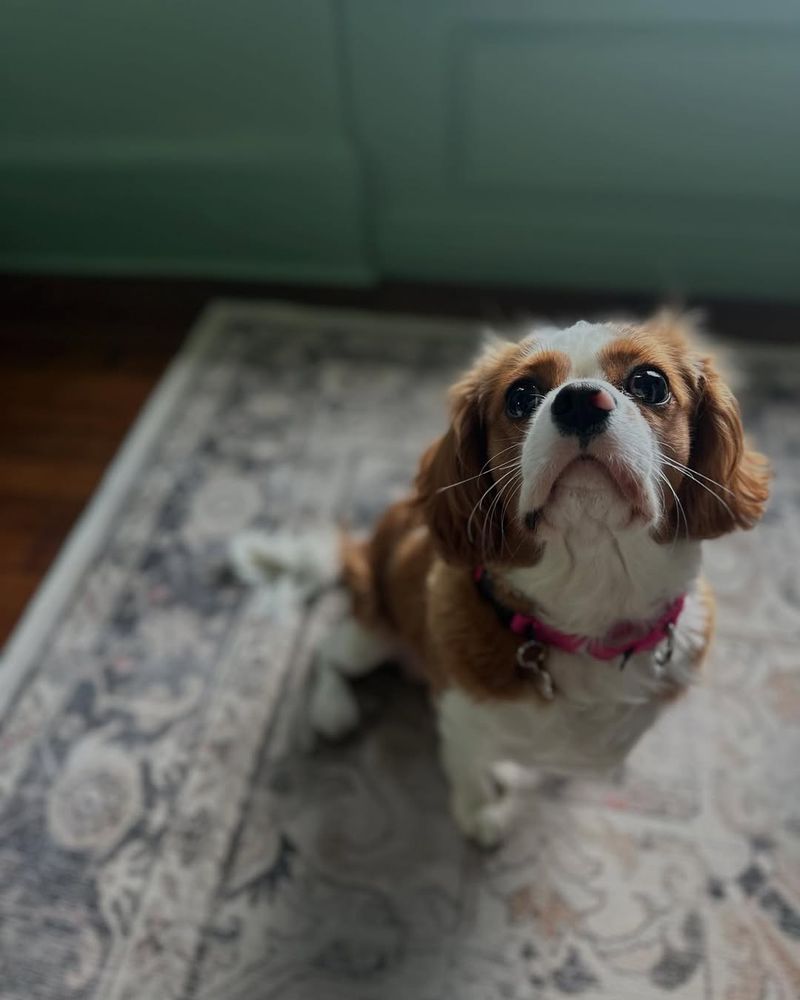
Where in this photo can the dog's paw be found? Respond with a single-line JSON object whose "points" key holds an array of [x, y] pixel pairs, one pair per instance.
{"points": [[332, 707], [492, 823], [487, 822], [487, 825], [487, 812], [509, 778]]}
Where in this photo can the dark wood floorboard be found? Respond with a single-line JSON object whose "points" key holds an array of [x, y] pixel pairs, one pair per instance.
{"points": [[78, 357], [74, 372]]}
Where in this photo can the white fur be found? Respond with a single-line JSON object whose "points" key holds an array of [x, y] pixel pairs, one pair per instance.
{"points": [[332, 706], [350, 651]]}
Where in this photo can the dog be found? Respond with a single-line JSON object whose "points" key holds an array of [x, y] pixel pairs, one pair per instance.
{"points": [[544, 575]]}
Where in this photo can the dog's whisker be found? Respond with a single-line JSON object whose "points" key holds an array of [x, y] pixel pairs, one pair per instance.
{"points": [[693, 474], [507, 486], [681, 511], [689, 475], [686, 470], [490, 513], [469, 479], [514, 485], [478, 504], [486, 467]]}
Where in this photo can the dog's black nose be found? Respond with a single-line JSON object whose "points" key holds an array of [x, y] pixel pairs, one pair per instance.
{"points": [[582, 409]]}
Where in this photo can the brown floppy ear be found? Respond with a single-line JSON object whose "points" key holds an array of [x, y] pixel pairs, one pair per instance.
{"points": [[453, 477], [732, 484]]}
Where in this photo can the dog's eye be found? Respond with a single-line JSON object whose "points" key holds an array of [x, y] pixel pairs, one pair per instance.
{"points": [[522, 399], [649, 385]]}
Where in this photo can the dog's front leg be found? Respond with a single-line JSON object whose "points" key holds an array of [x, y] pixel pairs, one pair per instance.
{"points": [[486, 785]]}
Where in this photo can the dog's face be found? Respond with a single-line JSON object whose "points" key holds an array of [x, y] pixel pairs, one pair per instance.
{"points": [[610, 426]]}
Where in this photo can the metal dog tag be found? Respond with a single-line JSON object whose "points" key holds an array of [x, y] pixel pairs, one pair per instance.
{"points": [[531, 658], [663, 655]]}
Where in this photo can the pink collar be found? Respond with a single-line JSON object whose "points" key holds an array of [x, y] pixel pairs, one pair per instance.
{"points": [[531, 627]]}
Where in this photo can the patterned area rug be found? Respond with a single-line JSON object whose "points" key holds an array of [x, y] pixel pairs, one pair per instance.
{"points": [[165, 831]]}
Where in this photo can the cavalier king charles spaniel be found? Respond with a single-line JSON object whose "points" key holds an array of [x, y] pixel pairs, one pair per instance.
{"points": [[543, 576]]}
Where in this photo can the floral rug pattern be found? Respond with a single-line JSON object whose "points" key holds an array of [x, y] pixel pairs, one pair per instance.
{"points": [[167, 831]]}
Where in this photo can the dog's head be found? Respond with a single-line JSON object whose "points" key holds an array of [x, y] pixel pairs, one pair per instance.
{"points": [[618, 426]]}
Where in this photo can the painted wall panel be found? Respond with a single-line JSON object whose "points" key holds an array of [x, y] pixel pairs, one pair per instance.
{"points": [[645, 146], [177, 137]]}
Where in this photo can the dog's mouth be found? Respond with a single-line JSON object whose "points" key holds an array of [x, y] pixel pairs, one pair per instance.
{"points": [[589, 476], [588, 473]]}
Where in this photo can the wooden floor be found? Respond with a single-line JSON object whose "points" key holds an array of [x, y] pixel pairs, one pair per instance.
{"points": [[73, 381], [79, 357]]}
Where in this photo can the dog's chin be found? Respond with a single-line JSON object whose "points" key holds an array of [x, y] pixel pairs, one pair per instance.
{"points": [[586, 494]]}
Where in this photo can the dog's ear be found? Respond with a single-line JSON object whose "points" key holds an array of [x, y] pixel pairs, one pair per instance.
{"points": [[453, 478], [732, 481]]}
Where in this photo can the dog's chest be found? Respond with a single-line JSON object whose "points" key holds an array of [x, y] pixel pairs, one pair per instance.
{"points": [[598, 712], [564, 734]]}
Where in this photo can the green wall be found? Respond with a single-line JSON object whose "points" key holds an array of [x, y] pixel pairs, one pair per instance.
{"points": [[625, 144], [168, 136]]}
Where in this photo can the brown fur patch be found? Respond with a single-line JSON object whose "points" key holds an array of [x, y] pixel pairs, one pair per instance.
{"points": [[434, 609], [732, 483], [547, 367], [700, 427], [466, 482], [619, 357], [472, 649], [670, 422], [358, 576]]}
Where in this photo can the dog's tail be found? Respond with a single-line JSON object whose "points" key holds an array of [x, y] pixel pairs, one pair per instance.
{"points": [[316, 559], [310, 558]]}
